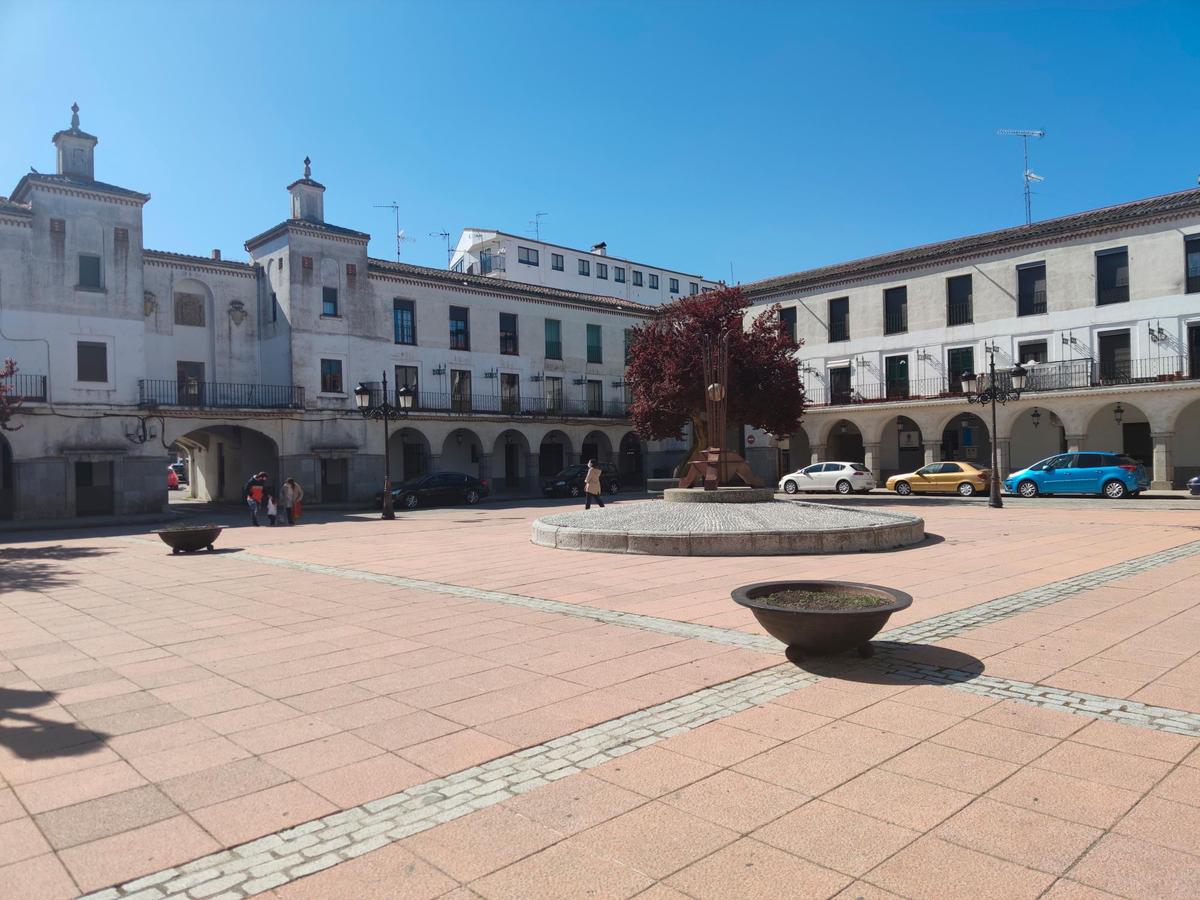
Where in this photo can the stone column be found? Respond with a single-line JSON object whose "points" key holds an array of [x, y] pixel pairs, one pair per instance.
{"points": [[1003, 455], [818, 453], [435, 462], [871, 456], [485, 466], [1163, 477], [1075, 442], [933, 452], [533, 479]]}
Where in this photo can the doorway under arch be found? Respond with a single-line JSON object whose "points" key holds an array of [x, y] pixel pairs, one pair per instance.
{"points": [[966, 438], [845, 443], [597, 446], [511, 470], [901, 447], [463, 452], [554, 453], [1122, 428], [222, 457], [630, 462], [1035, 435], [1187, 444], [409, 454]]}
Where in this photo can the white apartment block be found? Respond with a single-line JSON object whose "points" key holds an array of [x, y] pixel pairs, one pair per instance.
{"points": [[510, 257], [1102, 307], [126, 352]]}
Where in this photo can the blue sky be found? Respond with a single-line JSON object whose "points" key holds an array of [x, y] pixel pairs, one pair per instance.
{"points": [[773, 136]]}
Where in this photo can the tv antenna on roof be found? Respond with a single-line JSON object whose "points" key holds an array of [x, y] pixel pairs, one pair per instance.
{"points": [[1025, 134], [445, 236], [395, 208], [536, 222]]}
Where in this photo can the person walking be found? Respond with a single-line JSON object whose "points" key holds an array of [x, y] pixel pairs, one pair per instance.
{"points": [[591, 485], [254, 491], [290, 496]]}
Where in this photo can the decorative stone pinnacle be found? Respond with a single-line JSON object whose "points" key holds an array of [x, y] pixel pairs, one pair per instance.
{"points": [[307, 167], [74, 116]]}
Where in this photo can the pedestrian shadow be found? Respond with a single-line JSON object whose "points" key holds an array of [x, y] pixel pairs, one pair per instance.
{"points": [[895, 663], [35, 737], [38, 569]]}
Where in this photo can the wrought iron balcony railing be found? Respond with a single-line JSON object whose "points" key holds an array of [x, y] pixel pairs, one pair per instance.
{"points": [[28, 387], [218, 394], [488, 404]]}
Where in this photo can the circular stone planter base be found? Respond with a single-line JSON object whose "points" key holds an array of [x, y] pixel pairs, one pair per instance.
{"points": [[720, 495], [777, 528]]}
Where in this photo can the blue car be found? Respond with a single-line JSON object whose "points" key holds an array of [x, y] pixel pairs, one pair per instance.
{"points": [[1110, 475]]}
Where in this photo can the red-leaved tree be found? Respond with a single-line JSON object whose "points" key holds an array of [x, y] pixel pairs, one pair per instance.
{"points": [[666, 375], [8, 399]]}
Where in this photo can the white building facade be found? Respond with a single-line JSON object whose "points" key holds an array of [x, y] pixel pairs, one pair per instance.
{"points": [[1102, 307], [126, 352], [509, 257]]}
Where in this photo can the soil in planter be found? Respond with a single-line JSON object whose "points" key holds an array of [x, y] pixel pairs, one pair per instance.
{"points": [[822, 600]]}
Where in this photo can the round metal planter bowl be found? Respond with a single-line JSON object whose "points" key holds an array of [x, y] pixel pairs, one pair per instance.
{"points": [[189, 538], [821, 632]]}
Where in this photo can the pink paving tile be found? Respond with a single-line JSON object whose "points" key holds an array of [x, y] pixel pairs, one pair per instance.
{"points": [[719, 744], [775, 721], [16, 770], [134, 853], [105, 816], [10, 806], [386, 874], [653, 771], [404, 731], [1019, 835], [836, 838], [1109, 767], [1064, 889], [570, 805], [157, 740], [1034, 719], [258, 715], [1007, 744], [222, 782], [1130, 739], [1181, 785], [933, 869], [654, 839], [185, 760], [562, 871], [278, 735], [803, 769], [76, 787], [1164, 822], [370, 779], [42, 877], [496, 837], [735, 801], [1065, 797], [749, 869], [899, 718], [950, 768], [944, 699], [457, 751], [825, 699], [253, 815], [1130, 867], [844, 738], [20, 839], [899, 799]]}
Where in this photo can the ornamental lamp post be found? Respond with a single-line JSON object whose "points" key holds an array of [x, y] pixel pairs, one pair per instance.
{"points": [[987, 390], [385, 411]]}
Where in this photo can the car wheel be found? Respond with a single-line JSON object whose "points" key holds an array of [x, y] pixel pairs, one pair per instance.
{"points": [[614, 488], [903, 488], [789, 487], [966, 489], [472, 496], [1027, 489], [411, 501], [1114, 490], [844, 487], [574, 490]]}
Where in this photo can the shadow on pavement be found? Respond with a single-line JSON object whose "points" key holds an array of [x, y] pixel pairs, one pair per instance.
{"points": [[34, 737], [895, 663], [34, 569]]}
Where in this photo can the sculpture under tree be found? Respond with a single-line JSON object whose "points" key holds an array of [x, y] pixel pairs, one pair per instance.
{"points": [[715, 464]]}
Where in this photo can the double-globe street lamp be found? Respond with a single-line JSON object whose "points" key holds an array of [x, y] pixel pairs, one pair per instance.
{"points": [[386, 411], [985, 389]]}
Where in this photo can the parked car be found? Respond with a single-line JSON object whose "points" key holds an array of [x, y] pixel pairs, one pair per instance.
{"points": [[1110, 475], [941, 478], [1194, 486], [569, 482], [843, 477], [172, 478], [435, 489], [180, 471]]}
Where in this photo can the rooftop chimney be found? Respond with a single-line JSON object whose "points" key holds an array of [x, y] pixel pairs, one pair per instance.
{"points": [[307, 200], [76, 149], [216, 254], [600, 249]]}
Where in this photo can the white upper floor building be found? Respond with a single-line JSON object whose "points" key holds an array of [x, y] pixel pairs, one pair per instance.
{"points": [[510, 257]]}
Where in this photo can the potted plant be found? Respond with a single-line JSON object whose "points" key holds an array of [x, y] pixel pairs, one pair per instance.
{"points": [[189, 538], [822, 617]]}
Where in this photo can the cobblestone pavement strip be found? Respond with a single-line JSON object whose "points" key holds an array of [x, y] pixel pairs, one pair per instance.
{"points": [[293, 853]]}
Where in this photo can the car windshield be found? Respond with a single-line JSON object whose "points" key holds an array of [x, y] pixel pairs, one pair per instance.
{"points": [[571, 471]]}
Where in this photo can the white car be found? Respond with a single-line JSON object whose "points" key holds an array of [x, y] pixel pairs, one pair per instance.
{"points": [[843, 477]]}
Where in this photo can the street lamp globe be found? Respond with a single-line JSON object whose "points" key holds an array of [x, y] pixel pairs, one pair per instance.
{"points": [[404, 397], [1019, 375], [362, 396], [970, 382]]}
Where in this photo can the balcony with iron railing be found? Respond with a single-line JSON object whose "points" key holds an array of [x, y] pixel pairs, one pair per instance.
{"points": [[1031, 303], [26, 387], [958, 312], [896, 321], [839, 329], [491, 404], [1073, 374], [218, 394]]}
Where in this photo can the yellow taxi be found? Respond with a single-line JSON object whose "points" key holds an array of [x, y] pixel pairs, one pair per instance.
{"points": [[942, 478]]}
